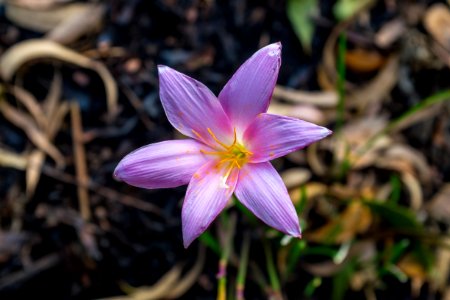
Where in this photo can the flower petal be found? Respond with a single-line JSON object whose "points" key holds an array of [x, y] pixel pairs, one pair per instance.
{"points": [[162, 165], [272, 136], [262, 191], [206, 196], [249, 91], [192, 108]]}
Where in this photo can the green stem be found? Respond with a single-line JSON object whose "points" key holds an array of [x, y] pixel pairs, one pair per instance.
{"points": [[342, 48], [243, 263], [229, 225], [273, 276]]}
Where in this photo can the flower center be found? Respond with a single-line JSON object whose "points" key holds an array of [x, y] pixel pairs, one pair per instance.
{"points": [[230, 156]]}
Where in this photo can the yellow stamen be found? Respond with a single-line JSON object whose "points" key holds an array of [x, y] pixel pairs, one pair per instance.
{"points": [[234, 156], [216, 139]]}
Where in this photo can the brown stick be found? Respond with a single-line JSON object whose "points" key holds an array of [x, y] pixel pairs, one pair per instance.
{"points": [[80, 161]]}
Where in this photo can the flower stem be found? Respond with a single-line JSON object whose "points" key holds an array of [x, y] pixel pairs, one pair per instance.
{"points": [[226, 230], [243, 263], [342, 48], [273, 276]]}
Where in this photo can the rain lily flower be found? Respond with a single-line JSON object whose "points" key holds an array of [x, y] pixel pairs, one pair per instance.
{"points": [[232, 140]]}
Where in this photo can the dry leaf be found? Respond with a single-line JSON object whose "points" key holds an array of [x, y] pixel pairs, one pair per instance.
{"points": [[437, 22], [356, 218], [78, 24], [439, 206], [54, 94], [378, 88], [37, 4], [312, 190], [44, 20], [361, 60], [295, 177], [389, 33], [80, 161], [30, 50], [34, 168], [10, 159], [304, 112], [322, 99], [442, 266], [33, 172], [171, 286], [31, 104], [34, 134]]}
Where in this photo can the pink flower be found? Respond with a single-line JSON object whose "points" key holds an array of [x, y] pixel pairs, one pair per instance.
{"points": [[232, 141]]}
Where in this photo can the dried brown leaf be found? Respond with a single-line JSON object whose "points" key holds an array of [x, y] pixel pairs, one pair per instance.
{"points": [[378, 88], [356, 218], [190, 278], [44, 20], [439, 206], [301, 111], [54, 94], [37, 157], [389, 33], [328, 99], [363, 61], [34, 134], [312, 190], [38, 4], [414, 189], [295, 177], [30, 50], [437, 22], [33, 172], [80, 161], [442, 267], [32, 105], [78, 24], [159, 290], [414, 157], [10, 159]]}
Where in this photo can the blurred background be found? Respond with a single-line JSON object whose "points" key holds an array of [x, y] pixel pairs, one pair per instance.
{"points": [[79, 90]]}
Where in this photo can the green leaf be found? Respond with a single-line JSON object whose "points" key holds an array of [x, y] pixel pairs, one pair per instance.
{"points": [[341, 281], [299, 13], [345, 9], [396, 186], [398, 216], [209, 241], [312, 286]]}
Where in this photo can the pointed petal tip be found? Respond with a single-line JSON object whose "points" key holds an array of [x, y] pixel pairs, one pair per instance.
{"points": [[186, 243], [163, 68], [274, 49], [327, 132], [118, 172]]}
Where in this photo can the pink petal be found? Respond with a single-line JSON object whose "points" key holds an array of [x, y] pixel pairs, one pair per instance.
{"points": [[206, 197], [192, 108], [262, 191], [249, 91], [272, 136], [162, 165]]}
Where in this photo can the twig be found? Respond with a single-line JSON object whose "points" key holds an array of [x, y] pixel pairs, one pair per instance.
{"points": [[80, 160]]}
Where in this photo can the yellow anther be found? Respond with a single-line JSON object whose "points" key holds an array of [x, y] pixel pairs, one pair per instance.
{"points": [[216, 139], [235, 155]]}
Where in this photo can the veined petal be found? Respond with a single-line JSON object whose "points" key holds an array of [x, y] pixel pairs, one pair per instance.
{"points": [[262, 191], [207, 195], [272, 136], [249, 91], [162, 165], [192, 108]]}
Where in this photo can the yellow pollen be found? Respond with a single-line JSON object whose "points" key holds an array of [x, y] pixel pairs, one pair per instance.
{"points": [[234, 155]]}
